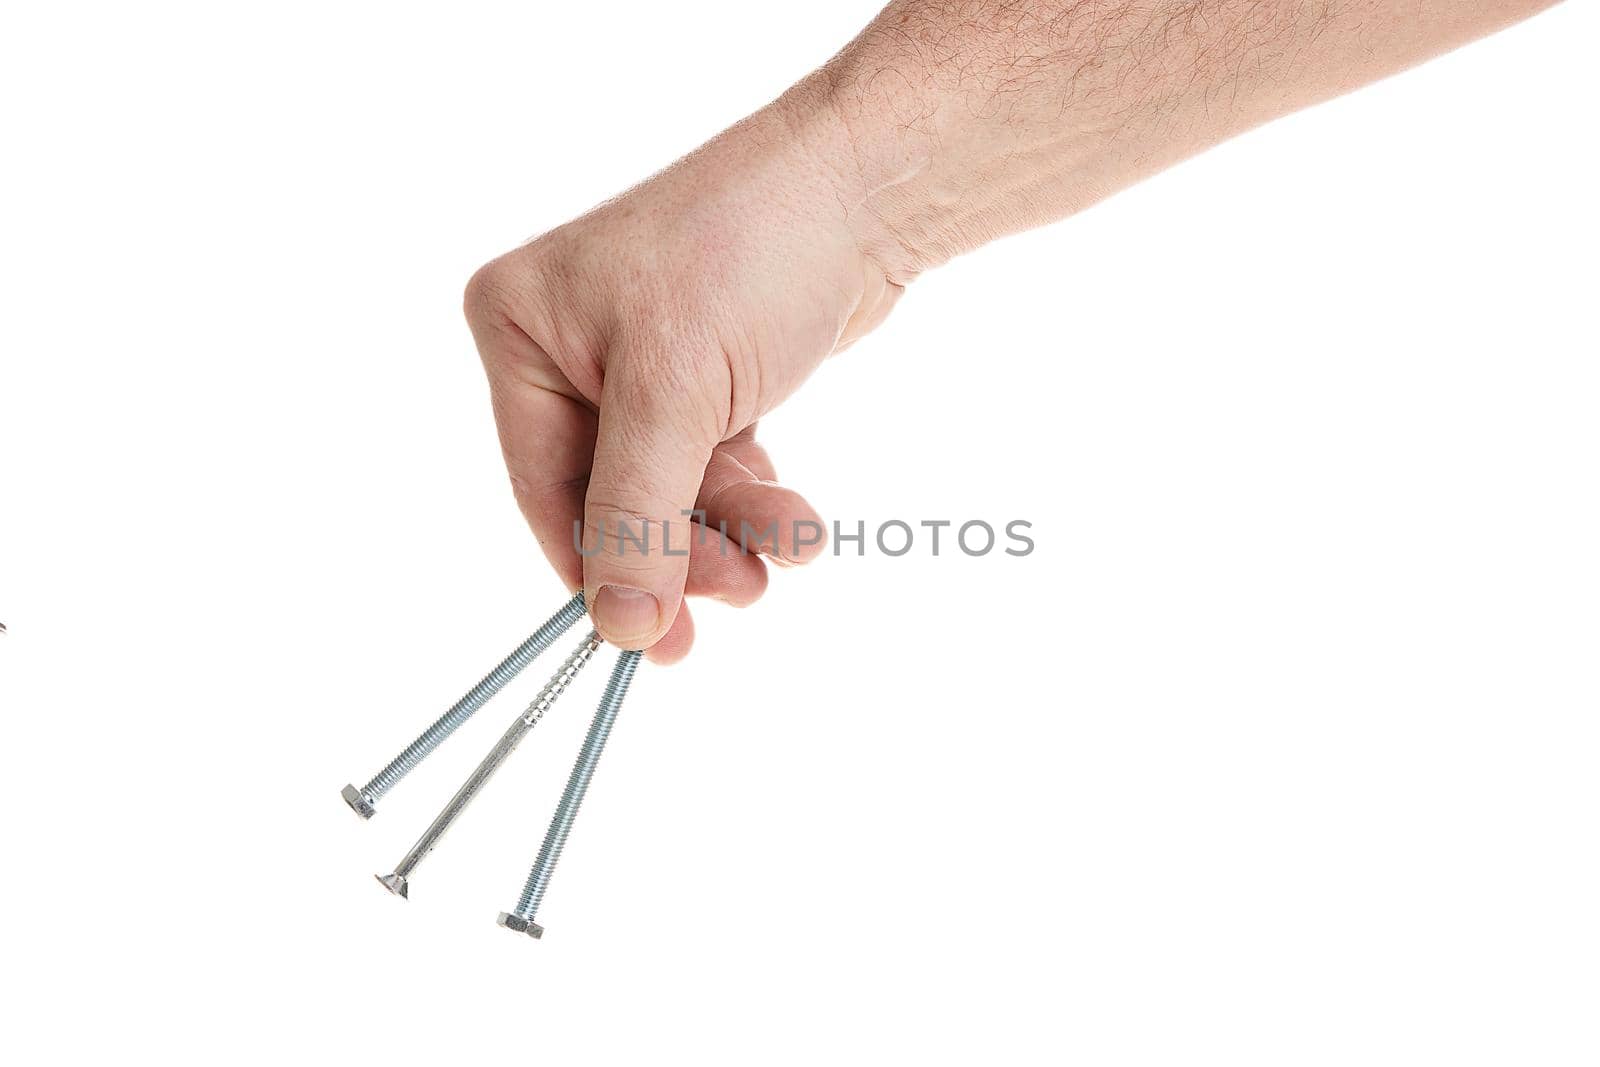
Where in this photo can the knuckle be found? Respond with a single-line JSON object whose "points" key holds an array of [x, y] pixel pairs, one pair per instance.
{"points": [[610, 511], [629, 540], [487, 292], [546, 497]]}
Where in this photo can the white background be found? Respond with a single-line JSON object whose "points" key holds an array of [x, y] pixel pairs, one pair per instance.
{"points": [[1280, 749]]}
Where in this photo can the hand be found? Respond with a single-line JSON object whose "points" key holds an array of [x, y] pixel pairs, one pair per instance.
{"points": [[631, 351]]}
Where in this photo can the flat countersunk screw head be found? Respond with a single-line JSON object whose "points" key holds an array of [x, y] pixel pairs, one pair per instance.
{"points": [[520, 925], [394, 883], [490, 764]]}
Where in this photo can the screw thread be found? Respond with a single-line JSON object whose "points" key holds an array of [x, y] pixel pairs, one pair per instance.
{"points": [[475, 698], [520, 727], [577, 784], [575, 662]]}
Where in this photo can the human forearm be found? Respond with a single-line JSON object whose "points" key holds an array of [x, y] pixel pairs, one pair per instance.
{"points": [[632, 351], [962, 120]]}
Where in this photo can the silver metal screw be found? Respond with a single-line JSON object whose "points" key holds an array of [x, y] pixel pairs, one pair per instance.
{"points": [[520, 919], [364, 800], [520, 727]]}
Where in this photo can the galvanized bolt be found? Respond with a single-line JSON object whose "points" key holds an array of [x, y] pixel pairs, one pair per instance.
{"points": [[364, 800], [520, 727], [520, 919]]}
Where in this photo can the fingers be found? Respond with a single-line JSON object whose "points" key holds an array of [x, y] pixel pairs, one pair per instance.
{"points": [[677, 642], [756, 513], [650, 454], [549, 441], [718, 570], [744, 447]]}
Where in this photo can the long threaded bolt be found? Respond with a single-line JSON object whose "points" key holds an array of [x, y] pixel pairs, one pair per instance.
{"points": [[364, 800], [521, 919], [520, 728]]}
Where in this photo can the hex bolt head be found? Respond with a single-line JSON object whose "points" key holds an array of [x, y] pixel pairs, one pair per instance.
{"points": [[358, 801], [518, 924], [463, 709], [394, 883], [555, 837]]}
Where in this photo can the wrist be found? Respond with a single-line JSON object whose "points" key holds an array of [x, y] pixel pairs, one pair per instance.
{"points": [[946, 139], [863, 168]]}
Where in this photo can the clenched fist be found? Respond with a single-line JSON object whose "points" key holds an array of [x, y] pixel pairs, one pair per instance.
{"points": [[631, 351]]}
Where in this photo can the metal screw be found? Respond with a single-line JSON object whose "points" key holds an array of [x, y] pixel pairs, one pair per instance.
{"points": [[520, 919], [363, 800], [520, 727]]}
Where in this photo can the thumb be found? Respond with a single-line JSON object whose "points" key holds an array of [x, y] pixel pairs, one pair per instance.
{"points": [[650, 455]]}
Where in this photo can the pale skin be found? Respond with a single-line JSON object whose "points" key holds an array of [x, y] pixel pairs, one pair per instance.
{"points": [[631, 351]]}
